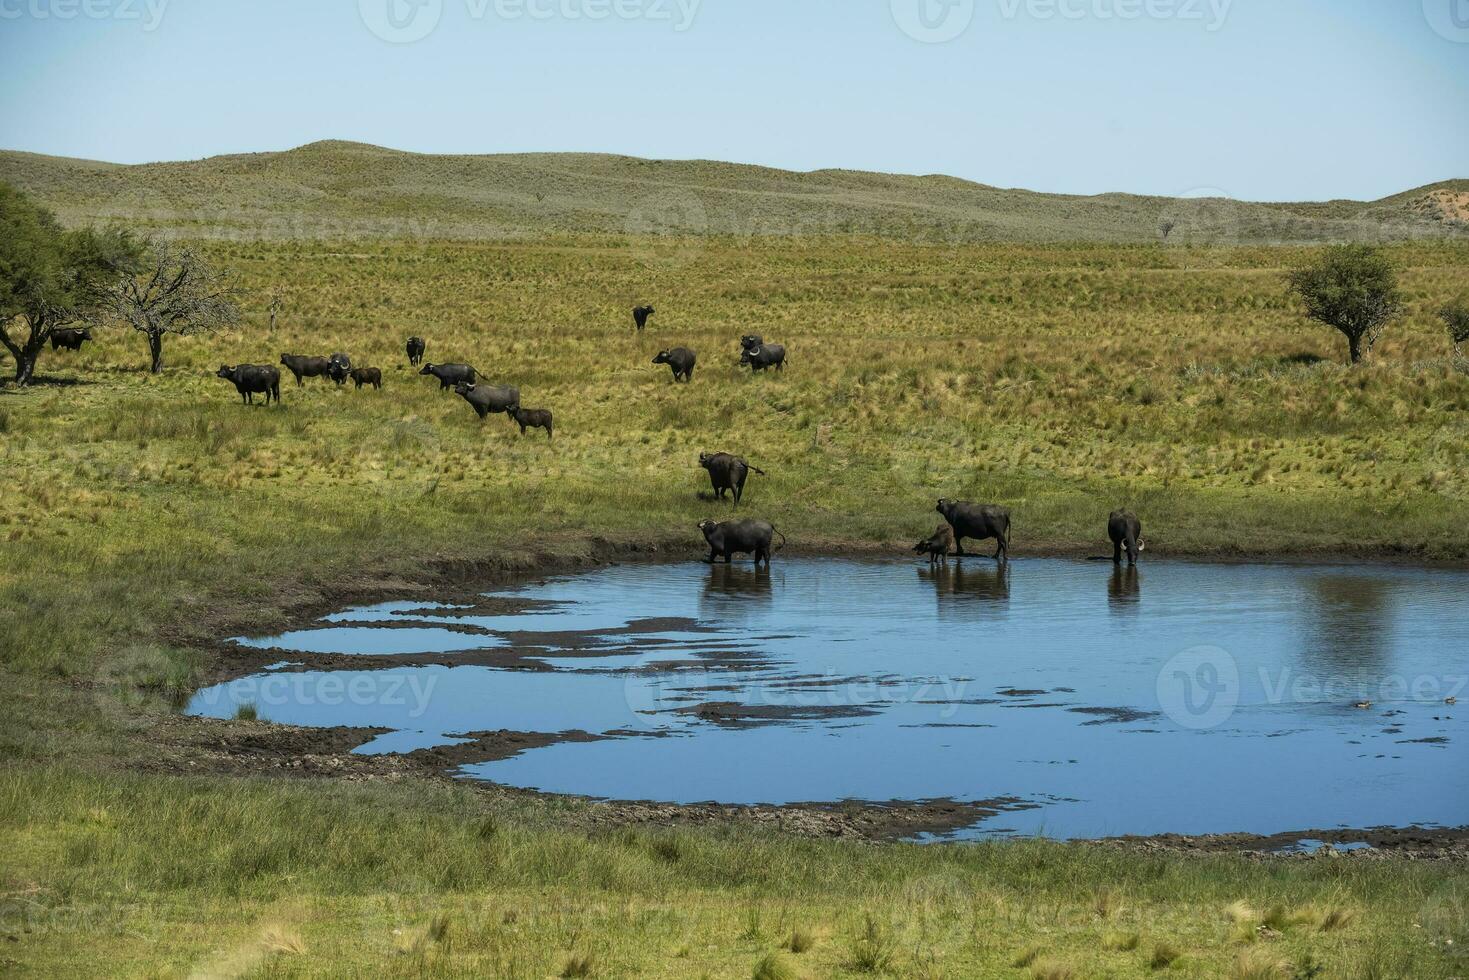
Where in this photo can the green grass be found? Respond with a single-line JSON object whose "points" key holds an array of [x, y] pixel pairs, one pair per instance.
{"points": [[146, 516], [144, 874]]}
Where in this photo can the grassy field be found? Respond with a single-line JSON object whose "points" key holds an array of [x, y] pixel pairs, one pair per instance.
{"points": [[335, 188], [145, 515]]}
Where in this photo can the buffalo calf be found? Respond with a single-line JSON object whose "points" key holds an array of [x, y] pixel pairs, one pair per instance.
{"points": [[532, 418], [416, 347], [640, 315], [367, 376], [937, 547]]}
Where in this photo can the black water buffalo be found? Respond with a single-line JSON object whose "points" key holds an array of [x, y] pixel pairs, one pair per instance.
{"points": [[71, 338], [680, 359], [253, 379], [640, 315], [532, 418], [303, 366], [727, 473], [978, 521], [416, 347], [485, 399], [763, 356], [750, 341], [450, 375], [729, 538], [937, 547], [367, 376], [339, 367], [1126, 532]]}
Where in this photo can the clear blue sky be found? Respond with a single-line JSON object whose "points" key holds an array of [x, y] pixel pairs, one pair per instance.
{"points": [[1278, 100]]}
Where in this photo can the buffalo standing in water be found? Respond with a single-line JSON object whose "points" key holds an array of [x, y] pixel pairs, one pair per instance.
{"points": [[640, 315], [727, 473], [251, 380], [729, 538], [681, 360], [977, 521], [1126, 532], [416, 347], [937, 547]]}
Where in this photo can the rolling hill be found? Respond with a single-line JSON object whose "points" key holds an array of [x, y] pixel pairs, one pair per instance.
{"points": [[341, 189]]}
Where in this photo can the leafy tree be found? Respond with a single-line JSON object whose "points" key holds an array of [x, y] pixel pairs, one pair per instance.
{"points": [[1352, 288], [172, 290], [1456, 317], [50, 277]]}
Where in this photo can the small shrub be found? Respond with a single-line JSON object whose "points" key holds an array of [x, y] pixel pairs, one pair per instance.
{"points": [[1163, 956], [873, 950], [1120, 942], [773, 967], [247, 712], [578, 966]]}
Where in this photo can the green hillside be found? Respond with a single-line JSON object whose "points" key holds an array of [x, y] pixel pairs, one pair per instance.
{"points": [[340, 189]]}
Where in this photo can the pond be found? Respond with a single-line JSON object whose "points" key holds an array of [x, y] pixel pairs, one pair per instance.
{"points": [[1080, 699]]}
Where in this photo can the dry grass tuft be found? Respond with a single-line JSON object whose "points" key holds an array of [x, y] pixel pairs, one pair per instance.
{"points": [[1026, 957], [800, 940], [773, 967], [1164, 954], [578, 966], [281, 940], [1049, 969], [1261, 964], [1120, 942]]}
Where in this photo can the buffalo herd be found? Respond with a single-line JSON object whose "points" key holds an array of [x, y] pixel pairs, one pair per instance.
{"points": [[727, 473]]}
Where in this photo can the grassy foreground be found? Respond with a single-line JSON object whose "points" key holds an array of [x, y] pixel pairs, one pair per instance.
{"points": [[143, 515]]}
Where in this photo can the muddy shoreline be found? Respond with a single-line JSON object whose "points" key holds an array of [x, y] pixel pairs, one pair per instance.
{"points": [[226, 748]]}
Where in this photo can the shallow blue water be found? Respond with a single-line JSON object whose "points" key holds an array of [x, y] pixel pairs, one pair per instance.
{"points": [[1185, 697]]}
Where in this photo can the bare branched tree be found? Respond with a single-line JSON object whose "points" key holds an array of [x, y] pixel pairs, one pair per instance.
{"points": [[1166, 226], [173, 291], [1456, 317]]}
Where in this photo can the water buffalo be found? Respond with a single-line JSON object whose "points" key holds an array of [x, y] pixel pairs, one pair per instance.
{"points": [[532, 418], [252, 379], [71, 338], [727, 473], [937, 547], [450, 375], [750, 341], [485, 399], [367, 376], [680, 359], [729, 538], [977, 521], [763, 356], [1126, 531], [640, 315], [306, 367], [416, 347], [339, 367]]}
